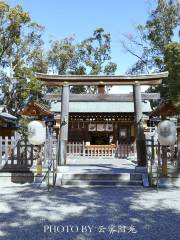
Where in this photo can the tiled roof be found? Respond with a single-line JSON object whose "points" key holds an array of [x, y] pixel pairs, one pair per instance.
{"points": [[101, 107], [165, 109], [36, 109]]}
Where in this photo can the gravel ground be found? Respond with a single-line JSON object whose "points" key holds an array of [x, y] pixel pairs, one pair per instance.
{"points": [[28, 213]]}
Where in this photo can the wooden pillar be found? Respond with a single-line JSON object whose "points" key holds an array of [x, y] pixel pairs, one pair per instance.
{"points": [[101, 89], [178, 143], [178, 152], [164, 156], [164, 161], [140, 137], [63, 135]]}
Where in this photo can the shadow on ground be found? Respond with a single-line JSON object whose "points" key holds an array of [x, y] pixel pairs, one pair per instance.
{"points": [[26, 212]]}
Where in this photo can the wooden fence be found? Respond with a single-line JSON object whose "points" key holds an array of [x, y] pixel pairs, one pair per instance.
{"points": [[125, 150], [121, 150], [17, 152], [7, 149]]}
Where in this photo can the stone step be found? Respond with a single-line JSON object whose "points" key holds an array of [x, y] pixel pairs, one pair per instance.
{"points": [[102, 176], [136, 176], [102, 186], [65, 182], [99, 179]]}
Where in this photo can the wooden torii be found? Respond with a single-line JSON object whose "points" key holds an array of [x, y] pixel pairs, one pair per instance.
{"points": [[65, 81]]}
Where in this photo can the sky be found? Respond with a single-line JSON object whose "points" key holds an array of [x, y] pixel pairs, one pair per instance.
{"points": [[62, 18]]}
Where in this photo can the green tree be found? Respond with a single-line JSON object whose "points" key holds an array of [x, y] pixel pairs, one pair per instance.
{"points": [[150, 43], [96, 53], [11, 22], [64, 58], [61, 55], [21, 54], [172, 61], [91, 56]]}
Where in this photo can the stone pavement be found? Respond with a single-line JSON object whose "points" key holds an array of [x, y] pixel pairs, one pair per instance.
{"points": [[97, 165], [102, 162], [29, 213]]}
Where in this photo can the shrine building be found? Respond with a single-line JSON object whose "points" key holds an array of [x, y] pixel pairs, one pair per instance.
{"points": [[100, 121]]}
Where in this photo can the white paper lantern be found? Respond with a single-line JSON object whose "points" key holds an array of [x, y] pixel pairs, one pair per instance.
{"points": [[166, 133], [36, 132]]}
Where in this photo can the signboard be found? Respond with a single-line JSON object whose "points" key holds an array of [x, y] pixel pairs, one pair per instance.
{"points": [[109, 127], [123, 133], [100, 127], [92, 127], [150, 96]]}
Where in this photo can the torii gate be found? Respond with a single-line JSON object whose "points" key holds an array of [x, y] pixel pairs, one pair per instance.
{"points": [[65, 81]]}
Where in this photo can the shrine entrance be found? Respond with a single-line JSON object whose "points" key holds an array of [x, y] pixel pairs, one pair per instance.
{"points": [[101, 81], [100, 138]]}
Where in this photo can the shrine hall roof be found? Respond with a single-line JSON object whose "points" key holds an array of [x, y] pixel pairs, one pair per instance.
{"points": [[166, 109], [35, 109], [100, 107]]}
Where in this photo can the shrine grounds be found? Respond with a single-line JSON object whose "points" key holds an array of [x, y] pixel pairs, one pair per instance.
{"points": [[96, 213]]}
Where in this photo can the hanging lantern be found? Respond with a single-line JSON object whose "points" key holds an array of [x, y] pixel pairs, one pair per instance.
{"points": [[36, 132], [166, 133]]}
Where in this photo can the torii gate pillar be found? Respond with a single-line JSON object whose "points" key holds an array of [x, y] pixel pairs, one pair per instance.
{"points": [[63, 135], [140, 137]]}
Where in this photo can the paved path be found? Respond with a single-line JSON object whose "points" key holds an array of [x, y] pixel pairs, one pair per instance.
{"points": [[28, 213], [111, 162], [95, 165]]}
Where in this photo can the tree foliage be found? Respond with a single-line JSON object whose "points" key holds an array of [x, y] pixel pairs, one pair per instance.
{"points": [[11, 22], [91, 56], [151, 43], [172, 61], [95, 52], [21, 54]]}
